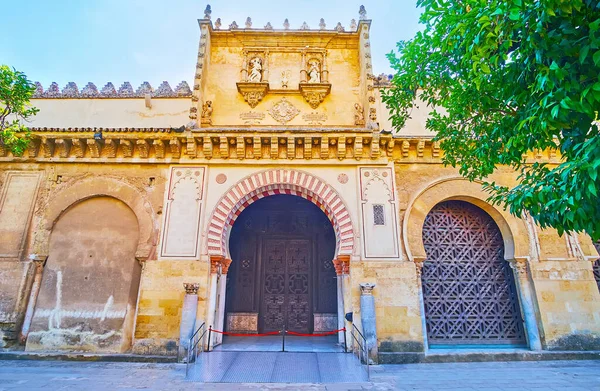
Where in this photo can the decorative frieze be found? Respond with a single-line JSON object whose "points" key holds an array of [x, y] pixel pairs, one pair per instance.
{"points": [[232, 144]]}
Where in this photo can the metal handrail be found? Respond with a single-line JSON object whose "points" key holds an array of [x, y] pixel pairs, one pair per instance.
{"points": [[195, 347], [363, 348]]}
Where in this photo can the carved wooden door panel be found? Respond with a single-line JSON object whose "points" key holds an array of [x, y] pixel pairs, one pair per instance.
{"points": [[468, 288], [286, 287], [298, 287]]}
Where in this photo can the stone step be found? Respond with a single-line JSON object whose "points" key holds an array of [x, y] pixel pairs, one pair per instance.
{"points": [[276, 367]]}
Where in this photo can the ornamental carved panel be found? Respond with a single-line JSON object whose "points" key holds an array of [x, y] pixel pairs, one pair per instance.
{"points": [[468, 288]]}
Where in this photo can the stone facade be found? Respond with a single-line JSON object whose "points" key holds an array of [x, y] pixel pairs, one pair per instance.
{"points": [[123, 197]]}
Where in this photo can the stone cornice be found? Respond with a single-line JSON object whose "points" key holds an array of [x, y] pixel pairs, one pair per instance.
{"points": [[153, 145]]}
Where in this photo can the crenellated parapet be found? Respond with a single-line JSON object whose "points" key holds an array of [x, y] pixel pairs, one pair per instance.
{"points": [[90, 91]]}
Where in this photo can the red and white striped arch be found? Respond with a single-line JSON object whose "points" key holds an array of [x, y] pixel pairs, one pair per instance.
{"points": [[279, 181]]}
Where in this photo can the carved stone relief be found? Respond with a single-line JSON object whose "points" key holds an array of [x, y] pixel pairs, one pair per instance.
{"points": [[314, 118], [359, 115], [207, 110], [283, 111], [252, 117]]}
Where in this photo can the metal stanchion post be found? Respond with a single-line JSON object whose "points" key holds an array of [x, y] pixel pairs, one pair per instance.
{"points": [[209, 335], [345, 341], [283, 340]]}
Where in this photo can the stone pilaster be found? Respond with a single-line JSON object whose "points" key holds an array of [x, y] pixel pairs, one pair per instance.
{"points": [[520, 267]]}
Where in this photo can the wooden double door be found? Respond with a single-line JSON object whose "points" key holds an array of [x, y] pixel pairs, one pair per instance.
{"points": [[282, 249]]}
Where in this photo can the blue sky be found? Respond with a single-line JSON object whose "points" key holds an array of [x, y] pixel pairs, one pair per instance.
{"points": [[156, 40]]}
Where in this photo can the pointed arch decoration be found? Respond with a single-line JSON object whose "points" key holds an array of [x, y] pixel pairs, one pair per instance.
{"points": [[279, 181]]}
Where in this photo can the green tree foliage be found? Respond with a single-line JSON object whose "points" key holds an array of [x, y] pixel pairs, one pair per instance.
{"points": [[15, 92], [512, 76]]}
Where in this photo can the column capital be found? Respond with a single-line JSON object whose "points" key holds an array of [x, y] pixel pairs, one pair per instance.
{"points": [[225, 263], [191, 288], [520, 266], [39, 259], [366, 288], [342, 264], [419, 261], [215, 263]]}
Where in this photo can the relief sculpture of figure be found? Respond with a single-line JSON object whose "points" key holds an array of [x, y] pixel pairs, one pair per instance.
{"points": [[314, 73], [207, 109], [255, 75], [359, 115]]}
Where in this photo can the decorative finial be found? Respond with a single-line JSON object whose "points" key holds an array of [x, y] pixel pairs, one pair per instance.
{"points": [[268, 26], [362, 12], [339, 27], [322, 24], [248, 23], [218, 24], [286, 24], [233, 26], [207, 12], [353, 24], [304, 26]]}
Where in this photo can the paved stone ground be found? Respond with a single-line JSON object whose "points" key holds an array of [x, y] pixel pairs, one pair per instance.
{"points": [[511, 376]]}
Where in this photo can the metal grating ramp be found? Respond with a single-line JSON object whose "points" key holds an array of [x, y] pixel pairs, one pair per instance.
{"points": [[277, 367]]}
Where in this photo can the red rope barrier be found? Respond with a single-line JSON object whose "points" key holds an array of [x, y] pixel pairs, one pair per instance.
{"points": [[326, 333], [247, 335]]}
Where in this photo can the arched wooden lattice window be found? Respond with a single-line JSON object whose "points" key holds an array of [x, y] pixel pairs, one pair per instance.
{"points": [[468, 288]]}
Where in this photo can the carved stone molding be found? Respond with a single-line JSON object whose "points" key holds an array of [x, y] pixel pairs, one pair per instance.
{"points": [[253, 93], [283, 111], [191, 288], [315, 93], [366, 288]]}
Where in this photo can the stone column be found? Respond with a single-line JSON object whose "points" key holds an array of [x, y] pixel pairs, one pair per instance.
{"points": [[419, 270], [266, 68], [215, 264], [324, 69], [521, 271], [367, 318], [39, 262], [220, 320], [341, 322], [188, 319], [244, 70], [303, 74]]}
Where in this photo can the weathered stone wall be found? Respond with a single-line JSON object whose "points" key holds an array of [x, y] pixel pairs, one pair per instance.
{"points": [[30, 219], [569, 304], [397, 307], [18, 192], [161, 300], [89, 286]]}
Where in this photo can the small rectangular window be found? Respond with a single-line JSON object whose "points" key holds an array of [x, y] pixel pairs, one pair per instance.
{"points": [[378, 216]]}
